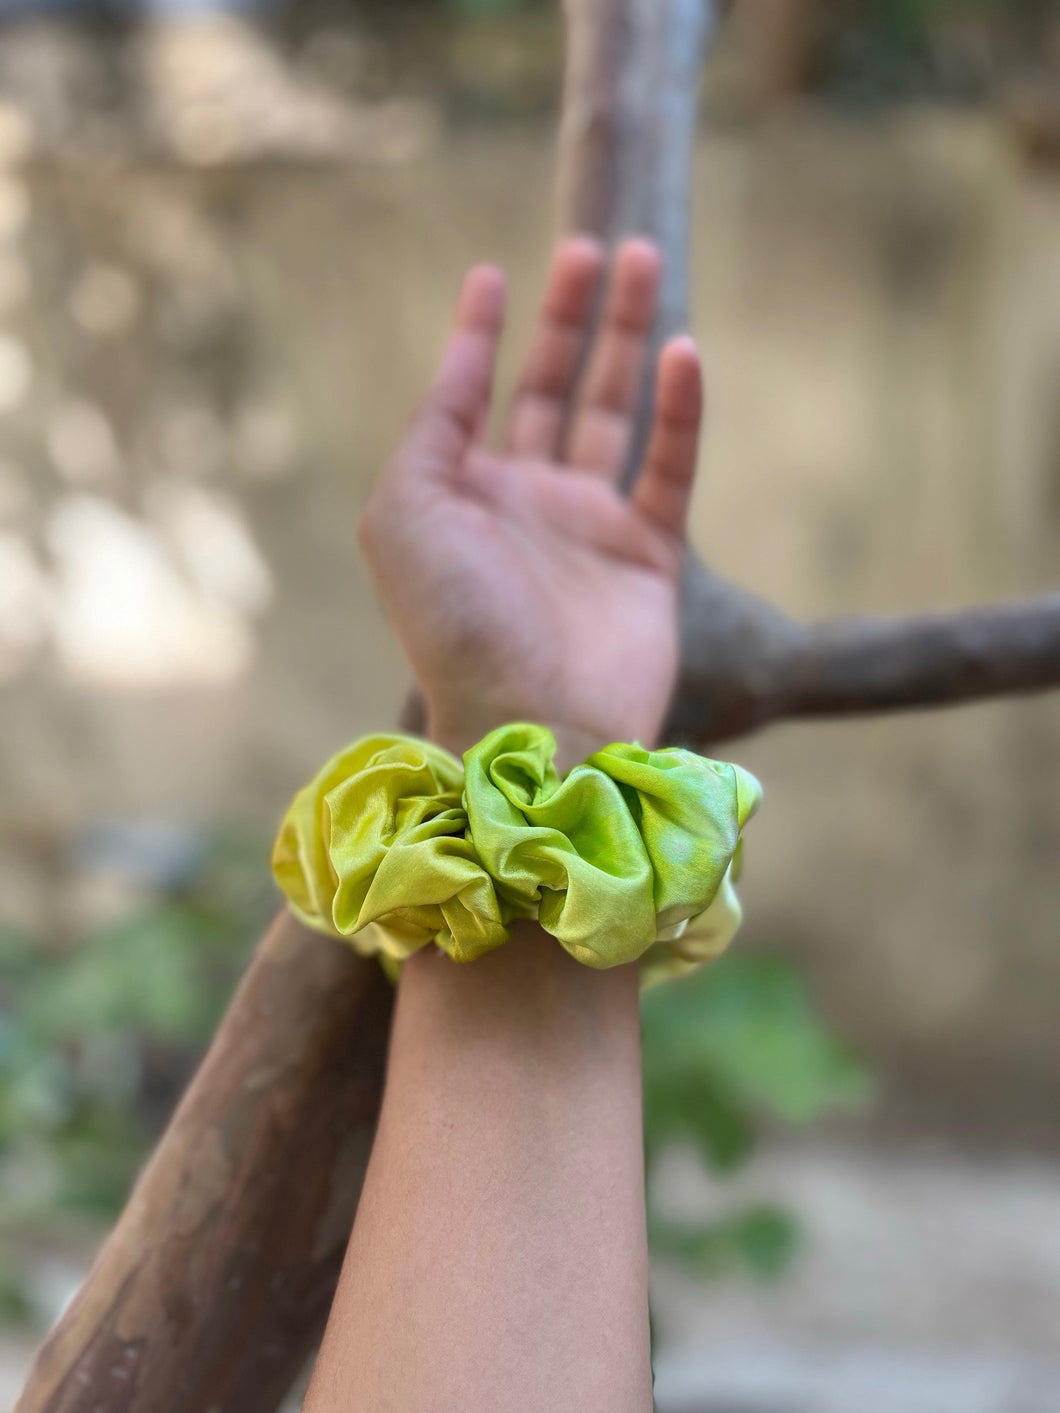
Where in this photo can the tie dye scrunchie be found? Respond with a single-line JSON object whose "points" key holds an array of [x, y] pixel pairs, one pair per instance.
{"points": [[630, 856]]}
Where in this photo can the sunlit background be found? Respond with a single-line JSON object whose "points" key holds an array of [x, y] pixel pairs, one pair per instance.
{"points": [[229, 243]]}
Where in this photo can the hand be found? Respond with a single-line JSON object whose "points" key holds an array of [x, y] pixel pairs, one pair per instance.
{"points": [[523, 585]]}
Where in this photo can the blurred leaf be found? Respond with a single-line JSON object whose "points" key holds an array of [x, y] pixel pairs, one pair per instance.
{"points": [[742, 1035], [150, 972], [686, 1100], [98, 1040], [760, 1239], [489, 7], [724, 1049], [16, 1306]]}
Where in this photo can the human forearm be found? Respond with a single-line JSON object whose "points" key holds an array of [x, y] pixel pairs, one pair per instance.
{"points": [[498, 1259]]}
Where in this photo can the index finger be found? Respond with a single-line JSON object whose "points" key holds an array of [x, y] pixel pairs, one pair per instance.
{"points": [[448, 418]]}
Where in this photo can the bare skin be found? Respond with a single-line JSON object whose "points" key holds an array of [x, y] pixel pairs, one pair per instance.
{"points": [[498, 1260], [520, 583]]}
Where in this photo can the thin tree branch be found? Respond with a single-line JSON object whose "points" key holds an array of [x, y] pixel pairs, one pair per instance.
{"points": [[746, 664], [854, 666], [624, 164]]}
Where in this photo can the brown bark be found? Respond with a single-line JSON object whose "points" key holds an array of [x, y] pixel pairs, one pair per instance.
{"points": [[212, 1288], [857, 665], [624, 163], [745, 664]]}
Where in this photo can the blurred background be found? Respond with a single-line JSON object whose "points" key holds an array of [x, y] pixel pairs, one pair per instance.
{"points": [[229, 243]]}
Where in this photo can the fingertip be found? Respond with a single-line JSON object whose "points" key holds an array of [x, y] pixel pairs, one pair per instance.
{"points": [[577, 264], [582, 247], [680, 380], [482, 297], [639, 254], [635, 279], [683, 346]]}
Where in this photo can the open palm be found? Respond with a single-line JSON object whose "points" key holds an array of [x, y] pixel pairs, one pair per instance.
{"points": [[523, 584]]}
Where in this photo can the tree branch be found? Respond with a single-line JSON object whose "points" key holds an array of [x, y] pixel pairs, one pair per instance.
{"points": [[215, 1283], [860, 665], [628, 123], [745, 664], [624, 163]]}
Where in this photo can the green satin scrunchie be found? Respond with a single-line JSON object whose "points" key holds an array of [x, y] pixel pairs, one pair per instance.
{"points": [[632, 855]]}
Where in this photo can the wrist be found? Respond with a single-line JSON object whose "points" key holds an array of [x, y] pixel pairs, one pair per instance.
{"points": [[539, 980]]}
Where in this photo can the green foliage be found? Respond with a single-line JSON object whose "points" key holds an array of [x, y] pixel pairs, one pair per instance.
{"points": [[734, 1044], [732, 1047], [760, 1239], [880, 52], [914, 20], [98, 1038], [489, 7], [15, 1306]]}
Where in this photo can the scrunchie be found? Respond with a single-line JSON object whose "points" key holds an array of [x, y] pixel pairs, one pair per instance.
{"points": [[632, 855]]}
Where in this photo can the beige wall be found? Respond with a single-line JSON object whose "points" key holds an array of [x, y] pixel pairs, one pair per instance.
{"points": [[880, 307]]}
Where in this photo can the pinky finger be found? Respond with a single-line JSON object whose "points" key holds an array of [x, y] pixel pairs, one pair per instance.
{"points": [[664, 487]]}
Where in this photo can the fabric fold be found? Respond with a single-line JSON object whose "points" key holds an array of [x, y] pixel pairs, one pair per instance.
{"points": [[379, 836], [632, 855]]}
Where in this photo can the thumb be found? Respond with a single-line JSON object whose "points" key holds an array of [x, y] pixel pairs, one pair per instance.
{"points": [[451, 415]]}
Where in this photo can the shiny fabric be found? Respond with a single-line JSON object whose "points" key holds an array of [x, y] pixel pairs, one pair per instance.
{"points": [[631, 856]]}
